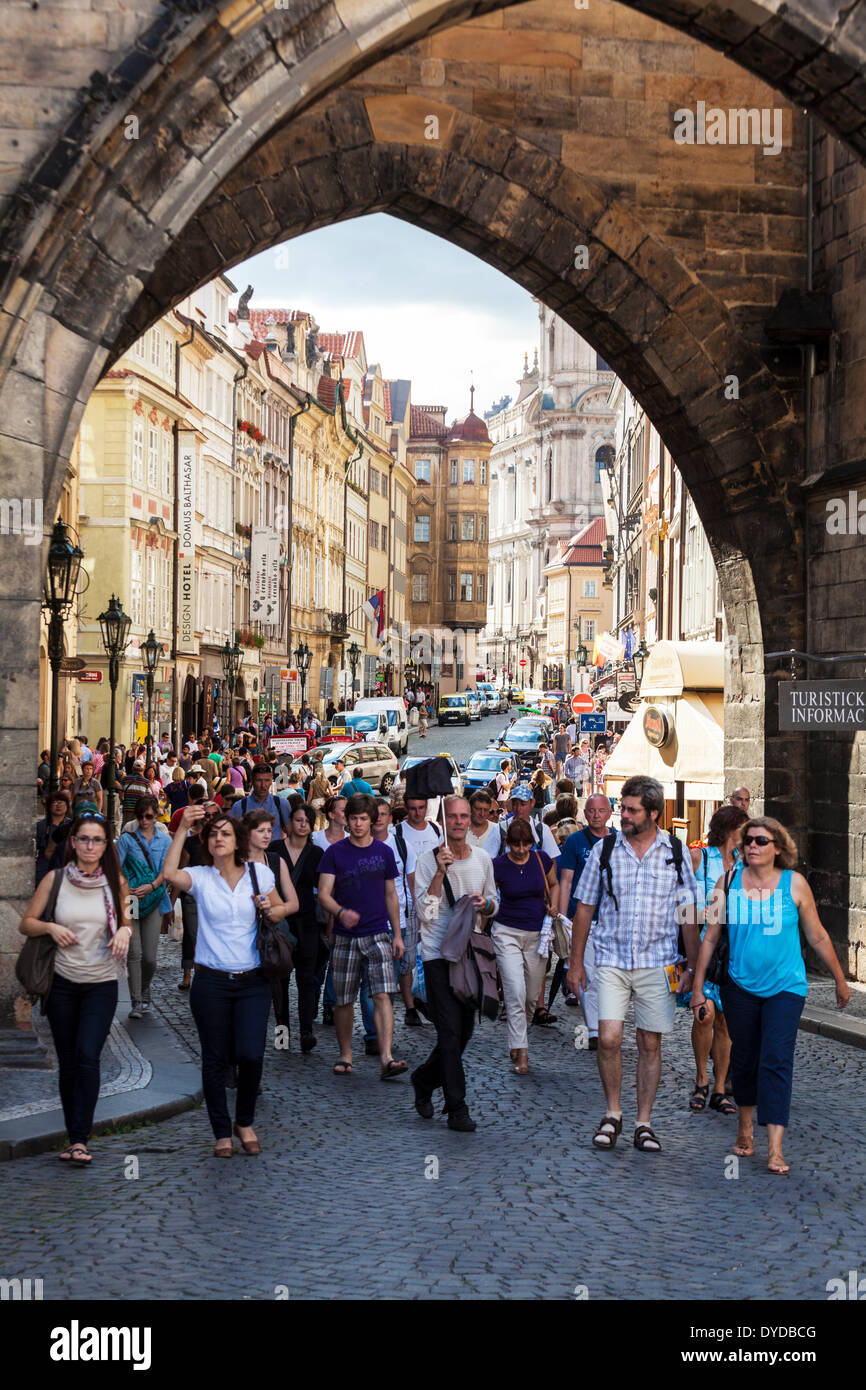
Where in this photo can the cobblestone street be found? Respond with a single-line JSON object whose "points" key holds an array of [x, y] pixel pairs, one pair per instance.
{"points": [[340, 1205]]}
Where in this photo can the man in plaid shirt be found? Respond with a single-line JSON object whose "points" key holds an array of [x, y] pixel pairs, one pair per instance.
{"points": [[635, 940]]}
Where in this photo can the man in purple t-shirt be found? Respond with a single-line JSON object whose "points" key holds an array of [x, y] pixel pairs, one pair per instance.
{"points": [[357, 886]]}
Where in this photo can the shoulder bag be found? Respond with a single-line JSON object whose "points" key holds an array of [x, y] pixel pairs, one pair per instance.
{"points": [[561, 938], [34, 968], [275, 952], [717, 970], [143, 874]]}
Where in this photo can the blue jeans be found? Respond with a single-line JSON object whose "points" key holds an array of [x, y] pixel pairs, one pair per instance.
{"points": [[80, 1017], [232, 1019], [330, 999], [763, 1036]]}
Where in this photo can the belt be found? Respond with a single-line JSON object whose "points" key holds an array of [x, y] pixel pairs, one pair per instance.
{"points": [[229, 974]]}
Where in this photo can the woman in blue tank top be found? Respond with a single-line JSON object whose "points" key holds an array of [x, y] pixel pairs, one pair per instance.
{"points": [[768, 903], [710, 1033]]}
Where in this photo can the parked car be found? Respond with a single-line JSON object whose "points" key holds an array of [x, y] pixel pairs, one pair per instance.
{"points": [[522, 739], [372, 761], [394, 710], [454, 709], [496, 701], [481, 768], [475, 709], [372, 727]]}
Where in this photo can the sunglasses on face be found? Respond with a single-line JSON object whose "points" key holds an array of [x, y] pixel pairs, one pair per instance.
{"points": [[762, 840], [148, 815]]}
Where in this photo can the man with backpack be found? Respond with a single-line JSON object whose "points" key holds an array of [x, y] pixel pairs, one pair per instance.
{"points": [[575, 852], [447, 879], [262, 799], [642, 887], [404, 854]]}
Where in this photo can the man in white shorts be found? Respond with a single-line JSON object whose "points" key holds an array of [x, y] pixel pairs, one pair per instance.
{"points": [[645, 891]]}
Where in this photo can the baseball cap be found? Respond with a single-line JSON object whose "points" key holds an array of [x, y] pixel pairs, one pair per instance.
{"points": [[522, 793]]}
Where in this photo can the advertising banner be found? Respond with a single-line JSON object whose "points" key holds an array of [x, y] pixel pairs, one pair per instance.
{"points": [[186, 542]]}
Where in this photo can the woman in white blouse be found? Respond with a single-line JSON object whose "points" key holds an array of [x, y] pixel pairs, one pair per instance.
{"points": [[229, 998]]}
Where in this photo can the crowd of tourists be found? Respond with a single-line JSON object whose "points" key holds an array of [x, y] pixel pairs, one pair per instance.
{"points": [[507, 891]]}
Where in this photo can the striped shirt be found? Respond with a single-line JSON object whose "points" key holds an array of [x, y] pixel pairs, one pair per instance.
{"points": [[642, 934]]}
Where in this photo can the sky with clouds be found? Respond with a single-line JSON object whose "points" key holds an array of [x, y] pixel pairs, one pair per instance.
{"points": [[428, 310]]}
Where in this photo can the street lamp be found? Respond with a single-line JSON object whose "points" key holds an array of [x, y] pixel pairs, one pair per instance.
{"points": [[638, 662], [115, 625], [581, 654], [231, 658], [58, 591], [303, 657], [354, 655], [152, 650]]}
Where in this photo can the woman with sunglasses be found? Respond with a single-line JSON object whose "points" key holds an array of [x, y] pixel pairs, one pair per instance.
{"points": [[90, 927], [766, 904], [142, 849], [230, 998]]}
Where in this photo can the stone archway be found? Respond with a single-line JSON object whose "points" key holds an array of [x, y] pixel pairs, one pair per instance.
{"points": [[90, 237]]}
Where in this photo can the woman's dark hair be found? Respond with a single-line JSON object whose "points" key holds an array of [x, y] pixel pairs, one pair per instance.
{"points": [[724, 821], [145, 803], [151, 768], [308, 812], [330, 804], [253, 819], [519, 833], [109, 862], [566, 809], [196, 793], [241, 834], [56, 796], [103, 746]]}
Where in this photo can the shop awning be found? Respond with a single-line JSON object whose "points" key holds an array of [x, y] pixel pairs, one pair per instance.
{"points": [[694, 755]]}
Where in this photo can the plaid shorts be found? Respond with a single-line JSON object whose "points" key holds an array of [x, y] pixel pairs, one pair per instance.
{"points": [[406, 964], [347, 956]]}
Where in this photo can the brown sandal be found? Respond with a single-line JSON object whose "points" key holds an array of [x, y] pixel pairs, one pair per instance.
{"points": [[249, 1146], [223, 1148], [521, 1061]]}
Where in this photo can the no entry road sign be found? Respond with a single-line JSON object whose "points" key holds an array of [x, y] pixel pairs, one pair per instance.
{"points": [[582, 704]]}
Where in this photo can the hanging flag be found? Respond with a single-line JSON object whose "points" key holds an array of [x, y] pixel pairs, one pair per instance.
{"points": [[630, 645], [374, 607]]}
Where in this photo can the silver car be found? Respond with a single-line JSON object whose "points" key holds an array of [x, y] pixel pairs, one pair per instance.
{"points": [[372, 762]]}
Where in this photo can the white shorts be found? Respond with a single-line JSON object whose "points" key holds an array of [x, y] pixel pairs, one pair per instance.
{"points": [[654, 1005]]}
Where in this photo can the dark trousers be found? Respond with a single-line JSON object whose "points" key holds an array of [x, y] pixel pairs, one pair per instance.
{"points": [[763, 1036], [453, 1022], [80, 1017], [307, 956], [189, 913], [232, 1019]]}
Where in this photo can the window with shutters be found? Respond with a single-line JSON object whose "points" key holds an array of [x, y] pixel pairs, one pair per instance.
{"points": [[139, 348], [137, 449], [420, 588], [153, 457], [168, 357], [150, 590], [167, 463], [155, 347], [209, 385]]}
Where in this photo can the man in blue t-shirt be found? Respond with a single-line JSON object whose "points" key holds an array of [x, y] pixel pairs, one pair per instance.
{"points": [[357, 886], [575, 852]]}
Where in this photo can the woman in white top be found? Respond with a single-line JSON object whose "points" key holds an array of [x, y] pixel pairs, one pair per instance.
{"points": [[229, 998], [335, 811], [90, 927]]}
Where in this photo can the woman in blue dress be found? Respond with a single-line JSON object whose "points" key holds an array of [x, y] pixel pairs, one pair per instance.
{"points": [[710, 1034], [768, 904]]}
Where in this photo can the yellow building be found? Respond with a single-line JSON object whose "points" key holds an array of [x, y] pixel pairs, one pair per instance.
{"points": [[578, 604]]}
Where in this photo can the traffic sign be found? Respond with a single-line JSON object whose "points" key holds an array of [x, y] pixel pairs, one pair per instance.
{"points": [[582, 704], [523, 661], [593, 723]]}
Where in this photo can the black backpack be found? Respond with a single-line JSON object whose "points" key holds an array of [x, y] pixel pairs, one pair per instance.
{"points": [[607, 848]]}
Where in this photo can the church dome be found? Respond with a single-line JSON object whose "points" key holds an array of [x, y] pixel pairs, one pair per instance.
{"points": [[471, 429]]}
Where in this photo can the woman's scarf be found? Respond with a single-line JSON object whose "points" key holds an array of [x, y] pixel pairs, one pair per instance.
{"points": [[79, 879]]}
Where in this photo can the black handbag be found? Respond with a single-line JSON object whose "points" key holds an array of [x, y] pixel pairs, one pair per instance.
{"points": [[717, 970], [275, 952], [34, 968]]}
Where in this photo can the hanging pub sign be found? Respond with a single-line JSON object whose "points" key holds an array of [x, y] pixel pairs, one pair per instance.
{"points": [[658, 727], [822, 705]]}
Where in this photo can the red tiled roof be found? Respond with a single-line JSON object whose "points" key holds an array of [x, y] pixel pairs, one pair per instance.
{"points": [[326, 392], [423, 424], [347, 386], [255, 349], [346, 345], [259, 317], [472, 429], [586, 546]]}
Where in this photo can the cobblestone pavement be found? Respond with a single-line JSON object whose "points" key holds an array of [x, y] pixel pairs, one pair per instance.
{"points": [[340, 1204]]}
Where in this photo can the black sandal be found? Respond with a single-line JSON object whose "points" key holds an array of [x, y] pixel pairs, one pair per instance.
{"points": [[645, 1140], [543, 1018], [608, 1139], [719, 1101], [698, 1099]]}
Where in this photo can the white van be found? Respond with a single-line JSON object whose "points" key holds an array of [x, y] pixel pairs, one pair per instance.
{"points": [[398, 723]]}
